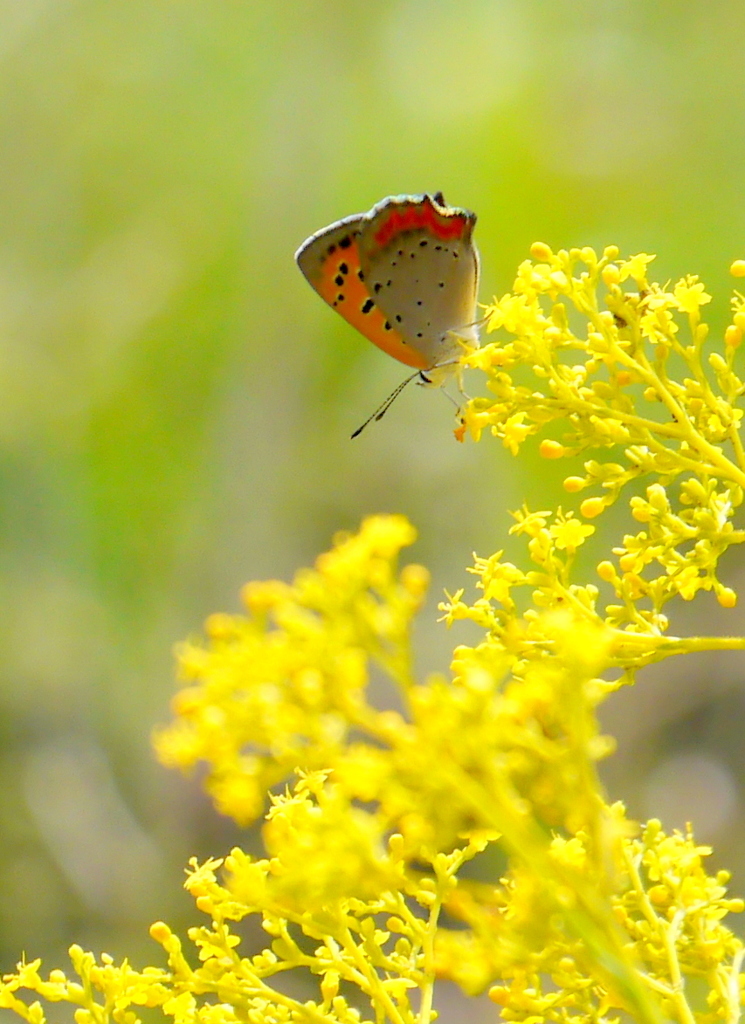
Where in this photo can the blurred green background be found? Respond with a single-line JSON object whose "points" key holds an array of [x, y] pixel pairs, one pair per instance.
{"points": [[177, 402]]}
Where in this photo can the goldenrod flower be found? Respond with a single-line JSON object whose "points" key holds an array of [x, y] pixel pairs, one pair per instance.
{"points": [[569, 533]]}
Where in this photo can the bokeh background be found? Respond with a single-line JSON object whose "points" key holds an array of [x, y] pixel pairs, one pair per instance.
{"points": [[177, 403]]}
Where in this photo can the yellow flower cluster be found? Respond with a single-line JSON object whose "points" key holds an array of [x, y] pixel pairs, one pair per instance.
{"points": [[601, 344], [283, 686], [669, 910], [571, 912]]}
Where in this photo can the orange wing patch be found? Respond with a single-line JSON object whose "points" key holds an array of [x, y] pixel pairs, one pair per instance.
{"points": [[342, 285], [444, 224]]}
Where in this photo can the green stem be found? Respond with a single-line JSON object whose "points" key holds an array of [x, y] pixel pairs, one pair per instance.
{"points": [[640, 365], [733, 987], [734, 436], [584, 910], [645, 650], [373, 985], [428, 986], [671, 933], [717, 458]]}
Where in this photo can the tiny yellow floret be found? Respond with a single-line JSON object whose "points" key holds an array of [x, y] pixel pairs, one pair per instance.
{"points": [[727, 597], [570, 533], [330, 985], [690, 294], [515, 431], [737, 268], [636, 267]]}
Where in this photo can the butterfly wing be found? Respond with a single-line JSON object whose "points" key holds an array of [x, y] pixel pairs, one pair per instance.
{"points": [[421, 266], [330, 261]]}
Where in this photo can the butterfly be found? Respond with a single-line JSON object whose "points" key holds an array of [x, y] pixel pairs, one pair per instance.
{"points": [[406, 275]]}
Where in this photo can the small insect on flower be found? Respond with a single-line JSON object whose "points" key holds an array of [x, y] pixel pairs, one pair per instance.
{"points": [[406, 275]]}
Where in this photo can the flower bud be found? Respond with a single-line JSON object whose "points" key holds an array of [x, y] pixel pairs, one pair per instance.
{"points": [[160, 931], [551, 449], [572, 484], [716, 362], [733, 336], [540, 251], [592, 507], [606, 571]]}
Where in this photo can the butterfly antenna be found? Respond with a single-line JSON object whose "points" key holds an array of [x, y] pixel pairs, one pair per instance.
{"points": [[479, 322], [383, 409]]}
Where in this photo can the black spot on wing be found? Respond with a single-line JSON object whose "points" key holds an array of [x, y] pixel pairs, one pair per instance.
{"points": [[368, 305]]}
